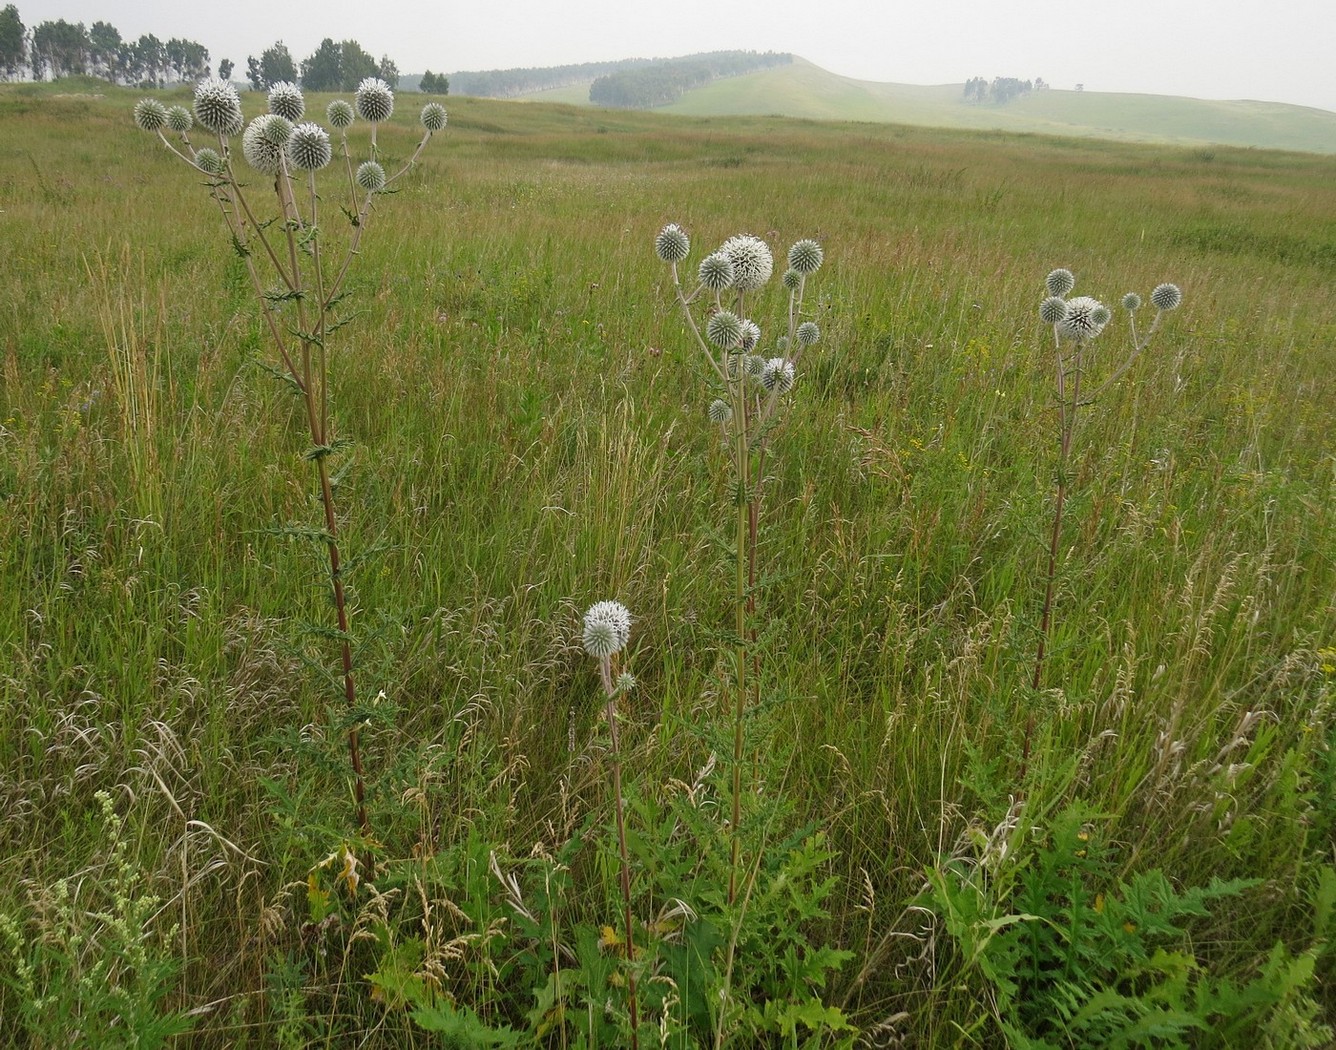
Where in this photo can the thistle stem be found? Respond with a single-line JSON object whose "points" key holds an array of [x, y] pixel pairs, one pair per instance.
{"points": [[610, 692]]}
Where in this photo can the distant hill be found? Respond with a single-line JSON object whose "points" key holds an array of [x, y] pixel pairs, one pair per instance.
{"points": [[801, 89]]}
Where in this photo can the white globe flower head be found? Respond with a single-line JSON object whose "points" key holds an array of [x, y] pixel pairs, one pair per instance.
{"points": [[1086, 318], [716, 272], [752, 261], [792, 279], [370, 176], [285, 99], [374, 100], [1166, 297], [753, 365], [1053, 309], [724, 330], [309, 148], [672, 244], [808, 333], [1131, 302], [751, 335], [150, 114], [607, 628], [720, 411], [208, 160], [340, 114], [805, 256], [179, 119], [777, 375], [263, 142], [1060, 282], [218, 107], [433, 117]]}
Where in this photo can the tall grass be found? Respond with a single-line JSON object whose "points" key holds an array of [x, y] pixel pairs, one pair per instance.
{"points": [[525, 409]]}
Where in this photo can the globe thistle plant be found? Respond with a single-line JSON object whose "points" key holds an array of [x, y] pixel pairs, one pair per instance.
{"points": [[297, 278], [751, 391], [607, 629], [1075, 323]]}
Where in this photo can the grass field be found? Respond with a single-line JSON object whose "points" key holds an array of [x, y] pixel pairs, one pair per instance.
{"points": [[527, 418], [807, 91]]}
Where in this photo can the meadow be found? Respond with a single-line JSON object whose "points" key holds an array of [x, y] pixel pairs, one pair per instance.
{"points": [[528, 436]]}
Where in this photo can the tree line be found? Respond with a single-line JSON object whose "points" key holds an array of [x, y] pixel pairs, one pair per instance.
{"points": [[55, 49], [1001, 90], [663, 81], [59, 48], [506, 83]]}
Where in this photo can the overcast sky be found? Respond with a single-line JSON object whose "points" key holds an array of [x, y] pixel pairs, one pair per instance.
{"points": [[1273, 50]]}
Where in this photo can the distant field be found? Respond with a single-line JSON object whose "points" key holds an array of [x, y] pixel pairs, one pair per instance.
{"points": [[527, 428], [807, 91]]}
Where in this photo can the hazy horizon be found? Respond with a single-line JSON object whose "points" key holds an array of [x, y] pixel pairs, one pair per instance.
{"points": [[1192, 49]]}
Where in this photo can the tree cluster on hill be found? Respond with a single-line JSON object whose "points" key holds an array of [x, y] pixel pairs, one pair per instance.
{"points": [[338, 67], [663, 81], [507, 83], [434, 83], [54, 49], [1001, 90]]}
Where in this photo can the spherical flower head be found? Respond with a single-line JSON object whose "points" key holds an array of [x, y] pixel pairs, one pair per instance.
{"points": [[716, 272], [751, 335], [218, 107], [607, 628], [808, 333], [370, 176], [1166, 297], [792, 279], [1053, 309], [1131, 301], [340, 114], [207, 160], [374, 100], [752, 261], [285, 99], [777, 375], [1082, 320], [626, 682], [180, 120], [263, 142], [672, 244], [1060, 282], [720, 411], [309, 148], [433, 117], [753, 365], [805, 256], [724, 330], [150, 114]]}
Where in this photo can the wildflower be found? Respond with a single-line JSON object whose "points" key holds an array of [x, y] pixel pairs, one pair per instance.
{"points": [[309, 148], [150, 114], [263, 143], [719, 411], [724, 330], [208, 160], [1053, 310], [626, 682], [433, 116], [777, 374], [179, 119], [792, 279], [751, 335], [607, 628], [1086, 318], [286, 100], [340, 114], [716, 272], [752, 262], [672, 244], [805, 256], [1166, 297], [370, 176], [807, 333], [1060, 282], [218, 107], [374, 100], [1131, 301]]}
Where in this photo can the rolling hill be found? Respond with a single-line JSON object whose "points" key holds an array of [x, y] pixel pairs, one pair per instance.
{"points": [[804, 90]]}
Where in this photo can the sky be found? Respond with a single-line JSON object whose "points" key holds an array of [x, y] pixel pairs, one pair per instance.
{"points": [[1268, 50]]}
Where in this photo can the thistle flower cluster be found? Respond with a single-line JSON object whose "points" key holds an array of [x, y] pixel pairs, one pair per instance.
{"points": [[607, 629], [1080, 319]]}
